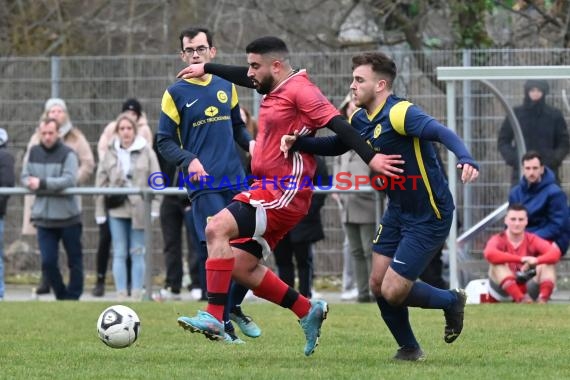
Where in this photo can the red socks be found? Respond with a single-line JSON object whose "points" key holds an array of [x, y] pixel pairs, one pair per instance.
{"points": [[509, 285], [546, 287], [218, 277], [273, 289]]}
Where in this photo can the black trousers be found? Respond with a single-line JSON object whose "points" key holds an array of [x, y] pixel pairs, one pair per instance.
{"points": [[174, 214], [303, 253]]}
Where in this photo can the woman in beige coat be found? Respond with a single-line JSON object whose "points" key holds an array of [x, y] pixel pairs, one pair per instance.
{"points": [[134, 108], [128, 162]]}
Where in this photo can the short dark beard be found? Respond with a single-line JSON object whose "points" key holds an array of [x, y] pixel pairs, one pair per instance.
{"points": [[265, 86]]}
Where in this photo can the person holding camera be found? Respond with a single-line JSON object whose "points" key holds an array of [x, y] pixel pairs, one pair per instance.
{"points": [[129, 162]]}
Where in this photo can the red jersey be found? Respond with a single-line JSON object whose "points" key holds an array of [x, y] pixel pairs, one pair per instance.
{"points": [[296, 104], [499, 250]]}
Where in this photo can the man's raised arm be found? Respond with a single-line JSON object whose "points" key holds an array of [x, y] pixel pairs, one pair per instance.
{"points": [[234, 74]]}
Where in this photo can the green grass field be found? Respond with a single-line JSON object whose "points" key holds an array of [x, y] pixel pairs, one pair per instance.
{"points": [[58, 340]]}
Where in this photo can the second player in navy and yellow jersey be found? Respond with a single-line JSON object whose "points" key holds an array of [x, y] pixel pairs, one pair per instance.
{"points": [[418, 218]]}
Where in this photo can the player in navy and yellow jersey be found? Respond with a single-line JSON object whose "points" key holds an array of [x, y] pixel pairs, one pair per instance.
{"points": [[199, 124], [420, 207]]}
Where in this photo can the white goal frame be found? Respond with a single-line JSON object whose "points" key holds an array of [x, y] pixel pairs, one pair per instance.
{"points": [[480, 73]]}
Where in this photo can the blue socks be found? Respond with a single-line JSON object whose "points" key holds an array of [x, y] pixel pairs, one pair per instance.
{"points": [[428, 297], [398, 322]]}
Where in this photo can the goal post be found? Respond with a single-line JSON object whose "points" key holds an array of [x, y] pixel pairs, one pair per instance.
{"points": [[483, 74]]}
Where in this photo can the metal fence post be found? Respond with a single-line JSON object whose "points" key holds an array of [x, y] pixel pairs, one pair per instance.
{"points": [[147, 198], [55, 76]]}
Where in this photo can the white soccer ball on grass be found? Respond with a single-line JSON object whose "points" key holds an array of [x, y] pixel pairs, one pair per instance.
{"points": [[118, 326]]}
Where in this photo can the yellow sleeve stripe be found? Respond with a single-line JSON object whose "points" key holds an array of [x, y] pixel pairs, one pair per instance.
{"points": [[169, 107], [234, 97], [421, 165], [398, 116]]}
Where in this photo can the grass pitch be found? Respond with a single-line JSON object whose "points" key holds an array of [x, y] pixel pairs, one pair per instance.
{"points": [[58, 340]]}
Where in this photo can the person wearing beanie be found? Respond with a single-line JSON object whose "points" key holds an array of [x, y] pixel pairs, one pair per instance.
{"points": [[56, 108], [6, 180], [133, 108], [543, 128]]}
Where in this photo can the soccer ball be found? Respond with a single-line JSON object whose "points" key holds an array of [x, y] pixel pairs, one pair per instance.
{"points": [[118, 326]]}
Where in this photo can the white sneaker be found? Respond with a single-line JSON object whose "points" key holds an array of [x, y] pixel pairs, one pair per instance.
{"points": [[349, 295], [165, 295], [122, 296], [196, 294]]}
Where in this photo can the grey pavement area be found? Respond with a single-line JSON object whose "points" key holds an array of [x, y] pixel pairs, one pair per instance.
{"points": [[21, 293]]}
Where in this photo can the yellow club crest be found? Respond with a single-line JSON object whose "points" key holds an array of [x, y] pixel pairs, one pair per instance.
{"points": [[377, 130], [222, 97]]}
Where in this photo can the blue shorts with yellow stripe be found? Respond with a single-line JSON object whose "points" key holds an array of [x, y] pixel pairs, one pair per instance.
{"points": [[410, 241]]}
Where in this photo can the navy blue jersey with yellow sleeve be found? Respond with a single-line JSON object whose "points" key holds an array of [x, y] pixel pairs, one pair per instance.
{"points": [[201, 115], [395, 128]]}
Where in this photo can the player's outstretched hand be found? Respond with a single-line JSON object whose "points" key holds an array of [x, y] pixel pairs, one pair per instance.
{"points": [[287, 142], [386, 164], [194, 70], [469, 173]]}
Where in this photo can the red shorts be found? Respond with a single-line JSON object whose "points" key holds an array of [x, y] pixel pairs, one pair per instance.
{"points": [[277, 212]]}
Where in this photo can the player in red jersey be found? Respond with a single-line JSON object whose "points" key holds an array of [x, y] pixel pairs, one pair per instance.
{"points": [[517, 251], [257, 219]]}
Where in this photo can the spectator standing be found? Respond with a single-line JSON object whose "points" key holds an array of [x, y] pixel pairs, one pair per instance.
{"points": [[358, 217], [545, 202], [300, 240], [512, 254], [128, 163], [349, 288], [176, 215], [251, 126], [543, 128], [6, 180], [133, 108], [53, 166], [55, 108]]}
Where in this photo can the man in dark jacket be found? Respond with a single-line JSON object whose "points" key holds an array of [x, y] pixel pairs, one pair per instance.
{"points": [[6, 180], [53, 166], [545, 201], [543, 128]]}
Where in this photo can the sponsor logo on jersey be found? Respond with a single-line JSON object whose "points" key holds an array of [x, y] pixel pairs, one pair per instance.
{"points": [[211, 111]]}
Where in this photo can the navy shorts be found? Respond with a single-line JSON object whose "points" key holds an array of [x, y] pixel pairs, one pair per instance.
{"points": [[206, 205], [411, 242]]}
